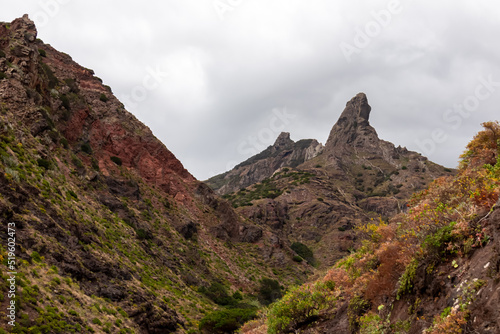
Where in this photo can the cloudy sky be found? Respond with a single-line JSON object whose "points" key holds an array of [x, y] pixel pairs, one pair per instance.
{"points": [[217, 80]]}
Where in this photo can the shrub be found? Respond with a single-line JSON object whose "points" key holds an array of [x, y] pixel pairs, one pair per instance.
{"points": [[42, 52], [53, 81], [303, 251], [300, 306], [269, 291], [406, 280], [35, 256], [3, 75], [357, 307], [65, 101], [226, 321], [96, 321], [44, 163], [2, 54], [71, 194], [237, 295], [116, 160], [297, 258], [95, 164], [103, 98], [372, 323], [436, 243], [218, 293], [143, 234], [77, 162], [72, 84], [86, 148]]}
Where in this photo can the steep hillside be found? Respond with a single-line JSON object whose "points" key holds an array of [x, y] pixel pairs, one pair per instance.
{"points": [[284, 153], [113, 234], [356, 178], [434, 269]]}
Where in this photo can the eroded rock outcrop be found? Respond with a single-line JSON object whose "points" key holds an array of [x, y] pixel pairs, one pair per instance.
{"points": [[283, 153]]}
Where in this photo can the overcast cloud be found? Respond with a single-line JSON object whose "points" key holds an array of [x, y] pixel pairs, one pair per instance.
{"points": [[240, 71]]}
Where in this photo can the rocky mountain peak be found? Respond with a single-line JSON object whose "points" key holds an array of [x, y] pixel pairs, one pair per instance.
{"points": [[283, 140], [353, 127], [283, 153], [357, 109], [24, 23]]}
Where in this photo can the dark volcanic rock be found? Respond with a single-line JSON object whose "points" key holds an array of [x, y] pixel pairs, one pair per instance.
{"points": [[188, 230]]}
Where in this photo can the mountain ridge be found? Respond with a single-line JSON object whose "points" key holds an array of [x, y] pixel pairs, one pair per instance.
{"points": [[355, 178]]}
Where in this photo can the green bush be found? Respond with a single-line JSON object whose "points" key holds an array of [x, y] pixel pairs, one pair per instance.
{"points": [[65, 101], [53, 81], [301, 305], [357, 307], [303, 251], [142, 234], [269, 291], [42, 52], [71, 194], [36, 257], [116, 160], [237, 295], [2, 54], [3, 75], [226, 321], [297, 258], [103, 98], [86, 148], [44, 163], [72, 84], [77, 162], [95, 164], [218, 293], [435, 244], [406, 280], [372, 323]]}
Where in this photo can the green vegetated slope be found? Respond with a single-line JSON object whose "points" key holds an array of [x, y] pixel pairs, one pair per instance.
{"points": [[434, 269], [113, 234]]}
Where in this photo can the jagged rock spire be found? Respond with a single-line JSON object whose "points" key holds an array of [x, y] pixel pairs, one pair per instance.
{"points": [[353, 126]]}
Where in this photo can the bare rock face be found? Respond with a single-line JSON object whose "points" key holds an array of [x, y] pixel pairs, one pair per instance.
{"points": [[353, 127], [283, 153]]}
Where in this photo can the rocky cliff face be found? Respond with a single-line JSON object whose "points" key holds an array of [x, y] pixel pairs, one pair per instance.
{"points": [[114, 233], [284, 153]]}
